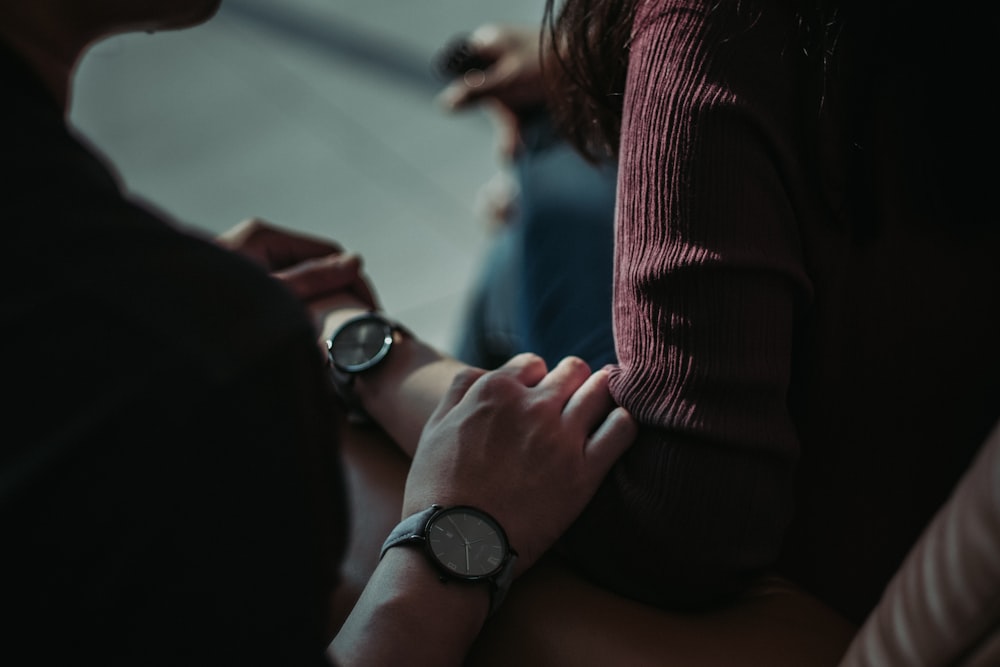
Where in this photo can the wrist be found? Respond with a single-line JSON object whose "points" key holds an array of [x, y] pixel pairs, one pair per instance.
{"points": [[359, 345], [431, 623], [463, 544], [333, 316], [401, 392], [418, 581]]}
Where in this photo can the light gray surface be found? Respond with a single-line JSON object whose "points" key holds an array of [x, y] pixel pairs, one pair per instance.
{"points": [[315, 114]]}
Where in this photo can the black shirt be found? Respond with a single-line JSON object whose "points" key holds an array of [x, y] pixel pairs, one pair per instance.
{"points": [[170, 491]]}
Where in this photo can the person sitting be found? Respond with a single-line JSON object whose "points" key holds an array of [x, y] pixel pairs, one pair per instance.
{"points": [[804, 285], [804, 282], [172, 486]]}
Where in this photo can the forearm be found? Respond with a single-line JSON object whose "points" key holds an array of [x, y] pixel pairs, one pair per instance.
{"points": [[402, 391], [407, 615], [721, 523]]}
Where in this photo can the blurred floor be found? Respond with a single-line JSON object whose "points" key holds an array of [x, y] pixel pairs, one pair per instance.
{"points": [[318, 115]]}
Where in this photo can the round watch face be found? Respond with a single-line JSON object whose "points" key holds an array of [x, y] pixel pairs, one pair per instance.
{"points": [[361, 343], [466, 542]]}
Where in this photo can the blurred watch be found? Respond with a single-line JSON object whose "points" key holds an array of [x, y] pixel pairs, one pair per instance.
{"points": [[359, 344]]}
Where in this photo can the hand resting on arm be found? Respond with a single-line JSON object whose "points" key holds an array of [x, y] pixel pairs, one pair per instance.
{"points": [[527, 446]]}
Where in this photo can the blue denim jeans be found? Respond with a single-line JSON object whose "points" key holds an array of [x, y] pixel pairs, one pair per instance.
{"points": [[546, 283]]}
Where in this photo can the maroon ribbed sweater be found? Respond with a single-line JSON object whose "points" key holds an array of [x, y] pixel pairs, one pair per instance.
{"points": [[807, 399]]}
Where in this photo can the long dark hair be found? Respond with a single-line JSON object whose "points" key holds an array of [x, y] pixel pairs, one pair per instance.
{"points": [[587, 79], [924, 63]]}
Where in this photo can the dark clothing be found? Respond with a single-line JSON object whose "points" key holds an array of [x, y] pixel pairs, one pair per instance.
{"points": [[170, 490], [808, 398], [546, 282]]}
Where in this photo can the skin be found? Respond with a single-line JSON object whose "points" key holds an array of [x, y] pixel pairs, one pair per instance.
{"points": [[310, 267], [511, 86], [52, 35]]}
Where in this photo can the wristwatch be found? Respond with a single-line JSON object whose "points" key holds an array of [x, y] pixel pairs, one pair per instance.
{"points": [[463, 543], [359, 344]]}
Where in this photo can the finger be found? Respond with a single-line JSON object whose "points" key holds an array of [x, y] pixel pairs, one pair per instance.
{"points": [[590, 403], [285, 247], [275, 247], [510, 143], [248, 227], [489, 41], [285, 250], [314, 278], [508, 130], [495, 81], [361, 289], [260, 231], [609, 442], [454, 96], [467, 87], [528, 368], [568, 375]]}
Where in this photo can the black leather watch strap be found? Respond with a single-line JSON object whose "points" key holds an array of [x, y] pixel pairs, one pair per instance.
{"points": [[413, 531], [343, 386]]}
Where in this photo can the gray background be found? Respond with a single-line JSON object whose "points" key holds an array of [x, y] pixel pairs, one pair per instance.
{"points": [[315, 114]]}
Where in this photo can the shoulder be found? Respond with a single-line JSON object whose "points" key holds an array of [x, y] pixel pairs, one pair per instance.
{"points": [[708, 33], [709, 71], [212, 305], [92, 263], [112, 306]]}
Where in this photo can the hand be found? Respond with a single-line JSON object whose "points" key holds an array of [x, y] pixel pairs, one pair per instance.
{"points": [[514, 77], [527, 446], [309, 266], [513, 83]]}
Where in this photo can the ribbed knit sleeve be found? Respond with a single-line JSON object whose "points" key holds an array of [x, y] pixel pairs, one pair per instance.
{"points": [[709, 277]]}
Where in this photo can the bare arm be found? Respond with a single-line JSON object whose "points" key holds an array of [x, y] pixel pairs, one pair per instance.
{"points": [[401, 392], [552, 616]]}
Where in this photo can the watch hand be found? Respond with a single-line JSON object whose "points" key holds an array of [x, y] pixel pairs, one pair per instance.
{"points": [[458, 530]]}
